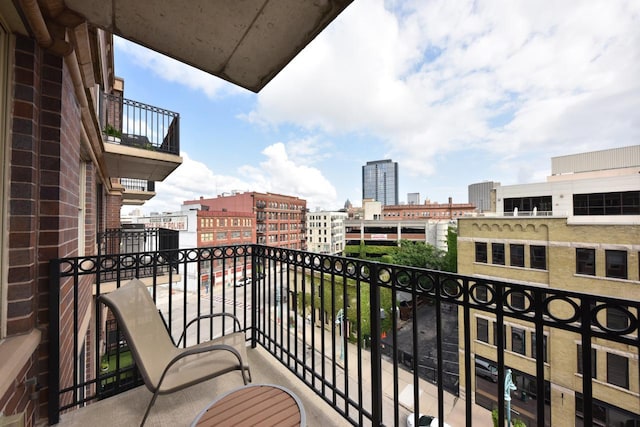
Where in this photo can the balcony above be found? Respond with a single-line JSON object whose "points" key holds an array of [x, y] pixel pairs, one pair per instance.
{"points": [[137, 191], [246, 43], [140, 141]]}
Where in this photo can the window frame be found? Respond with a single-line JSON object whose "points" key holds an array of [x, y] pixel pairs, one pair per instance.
{"points": [[521, 334], [535, 258], [516, 255], [581, 263], [615, 361], [483, 248], [609, 268], [5, 179], [500, 260], [486, 329]]}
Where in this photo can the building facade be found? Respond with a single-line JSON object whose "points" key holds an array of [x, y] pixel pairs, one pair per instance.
{"points": [[480, 195], [389, 233], [380, 181], [578, 234], [325, 232], [428, 210], [279, 219]]}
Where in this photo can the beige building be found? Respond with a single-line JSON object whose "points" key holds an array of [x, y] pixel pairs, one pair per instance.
{"points": [[574, 234]]}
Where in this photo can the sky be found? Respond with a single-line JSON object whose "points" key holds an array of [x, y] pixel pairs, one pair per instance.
{"points": [[456, 92]]}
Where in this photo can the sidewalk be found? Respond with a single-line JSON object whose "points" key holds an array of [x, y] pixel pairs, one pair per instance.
{"points": [[454, 407]]}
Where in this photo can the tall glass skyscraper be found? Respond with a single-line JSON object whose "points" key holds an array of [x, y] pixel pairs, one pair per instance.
{"points": [[380, 181]]}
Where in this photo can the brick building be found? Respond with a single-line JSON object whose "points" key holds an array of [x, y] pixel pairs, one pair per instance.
{"points": [[279, 219], [428, 210]]}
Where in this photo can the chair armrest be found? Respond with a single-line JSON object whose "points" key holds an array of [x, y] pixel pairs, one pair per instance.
{"points": [[208, 316], [203, 349]]}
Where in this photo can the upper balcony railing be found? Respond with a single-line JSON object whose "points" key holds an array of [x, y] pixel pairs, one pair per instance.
{"points": [[132, 123], [397, 322], [131, 184]]}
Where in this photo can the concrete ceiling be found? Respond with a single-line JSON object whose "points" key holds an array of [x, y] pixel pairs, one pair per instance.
{"points": [[246, 42]]}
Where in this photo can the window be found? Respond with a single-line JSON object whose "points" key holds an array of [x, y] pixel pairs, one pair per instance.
{"points": [[517, 340], [481, 252], [481, 292], [538, 255], [497, 253], [482, 330], [615, 203], [586, 261], [517, 255], [528, 204], [593, 361], [617, 318], [616, 264], [618, 370], [544, 347], [517, 300]]}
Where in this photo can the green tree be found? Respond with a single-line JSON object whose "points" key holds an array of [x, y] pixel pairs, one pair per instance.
{"points": [[419, 254], [451, 258]]}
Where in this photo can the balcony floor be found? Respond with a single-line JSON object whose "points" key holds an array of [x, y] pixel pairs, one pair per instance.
{"points": [[180, 408]]}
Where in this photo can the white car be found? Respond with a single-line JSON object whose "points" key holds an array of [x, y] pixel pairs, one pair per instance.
{"points": [[423, 420]]}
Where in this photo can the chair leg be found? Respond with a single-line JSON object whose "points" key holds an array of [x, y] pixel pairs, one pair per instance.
{"points": [[146, 414]]}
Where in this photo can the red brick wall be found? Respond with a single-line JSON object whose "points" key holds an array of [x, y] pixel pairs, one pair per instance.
{"points": [[43, 213]]}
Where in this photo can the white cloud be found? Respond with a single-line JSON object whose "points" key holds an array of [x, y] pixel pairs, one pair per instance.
{"points": [[277, 174], [175, 71], [519, 79]]}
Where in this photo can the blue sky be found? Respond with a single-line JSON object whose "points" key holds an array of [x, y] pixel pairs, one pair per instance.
{"points": [[455, 92]]}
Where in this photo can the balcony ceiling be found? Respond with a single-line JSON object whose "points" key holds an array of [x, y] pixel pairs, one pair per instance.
{"points": [[244, 42]]}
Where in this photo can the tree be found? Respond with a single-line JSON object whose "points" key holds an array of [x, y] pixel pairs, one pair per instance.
{"points": [[419, 254], [451, 258]]}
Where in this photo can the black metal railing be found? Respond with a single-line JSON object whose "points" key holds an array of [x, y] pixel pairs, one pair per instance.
{"points": [[134, 239], [336, 323], [139, 125], [138, 184]]}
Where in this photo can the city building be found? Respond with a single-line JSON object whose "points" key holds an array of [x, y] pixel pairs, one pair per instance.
{"points": [[70, 143], [580, 232], [480, 195], [279, 219], [434, 211], [389, 233], [413, 198], [380, 182], [325, 232]]}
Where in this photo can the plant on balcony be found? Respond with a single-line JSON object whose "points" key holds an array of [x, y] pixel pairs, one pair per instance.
{"points": [[112, 133]]}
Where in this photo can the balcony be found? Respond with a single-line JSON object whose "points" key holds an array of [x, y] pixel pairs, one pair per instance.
{"points": [[366, 367], [140, 141], [137, 191]]}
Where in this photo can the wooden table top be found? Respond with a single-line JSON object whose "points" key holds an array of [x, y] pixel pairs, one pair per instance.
{"points": [[260, 404]]}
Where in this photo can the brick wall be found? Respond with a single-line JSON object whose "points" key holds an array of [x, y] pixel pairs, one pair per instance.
{"points": [[43, 214]]}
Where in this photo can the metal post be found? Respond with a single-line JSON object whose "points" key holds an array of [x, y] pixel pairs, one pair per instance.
{"points": [[340, 321], [376, 345]]}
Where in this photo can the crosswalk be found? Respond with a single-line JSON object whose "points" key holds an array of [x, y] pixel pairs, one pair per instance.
{"points": [[227, 301]]}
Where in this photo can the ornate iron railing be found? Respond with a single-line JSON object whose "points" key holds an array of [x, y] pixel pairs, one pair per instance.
{"points": [[335, 322], [139, 125]]}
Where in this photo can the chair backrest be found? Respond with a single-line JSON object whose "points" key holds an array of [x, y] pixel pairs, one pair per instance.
{"points": [[144, 329]]}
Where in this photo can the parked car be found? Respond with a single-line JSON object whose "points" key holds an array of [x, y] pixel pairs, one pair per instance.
{"points": [[243, 282], [424, 420], [486, 370]]}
